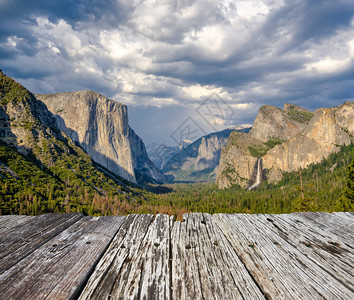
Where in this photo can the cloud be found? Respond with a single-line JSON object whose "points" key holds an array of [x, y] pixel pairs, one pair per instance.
{"points": [[172, 55]]}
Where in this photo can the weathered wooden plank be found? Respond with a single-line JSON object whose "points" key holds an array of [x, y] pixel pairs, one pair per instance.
{"points": [[297, 256], [340, 224], [204, 265], [9, 221], [118, 256], [21, 240], [281, 270], [136, 265], [155, 280], [326, 249], [60, 267], [321, 246]]}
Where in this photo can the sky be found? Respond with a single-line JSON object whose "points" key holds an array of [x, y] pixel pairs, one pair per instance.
{"points": [[184, 68]]}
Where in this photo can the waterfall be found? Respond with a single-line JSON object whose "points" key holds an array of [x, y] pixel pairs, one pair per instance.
{"points": [[258, 176], [258, 179]]}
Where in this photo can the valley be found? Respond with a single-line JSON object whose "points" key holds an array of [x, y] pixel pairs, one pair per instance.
{"points": [[75, 152]]}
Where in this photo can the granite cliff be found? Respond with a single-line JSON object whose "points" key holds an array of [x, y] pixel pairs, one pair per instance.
{"points": [[236, 160], [286, 140], [276, 123], [328, 129], [42, 169], [100, 126]]}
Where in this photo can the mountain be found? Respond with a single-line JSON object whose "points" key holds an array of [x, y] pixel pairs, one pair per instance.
{"points": [[237, 160], [285, 144], [100, 126], [160, 154], [199, 160], [42, 169], [185, 143], [281, 124], [328, 129]]}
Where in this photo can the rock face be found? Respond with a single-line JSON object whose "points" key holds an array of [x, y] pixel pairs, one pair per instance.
{"points": [[28, 127], [308, 139], [199, 160], [39, 161], [100, 126], [328, 129], [236, 161], [281, 124]]}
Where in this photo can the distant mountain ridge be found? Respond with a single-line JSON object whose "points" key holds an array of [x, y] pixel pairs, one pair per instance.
{"points": [[286, 140], [160, 154], [199, 160], [100, 126]]}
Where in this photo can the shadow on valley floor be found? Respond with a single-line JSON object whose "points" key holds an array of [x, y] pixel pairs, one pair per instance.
{"points": [[190, 181], [158, 189]]}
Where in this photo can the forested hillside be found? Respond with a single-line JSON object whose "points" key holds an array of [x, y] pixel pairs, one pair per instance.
{"points": [[42, 170], [72, 184], [327, 186]]}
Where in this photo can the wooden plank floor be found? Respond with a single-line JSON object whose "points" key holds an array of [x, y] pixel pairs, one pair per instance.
{"points": [[239, 256]]}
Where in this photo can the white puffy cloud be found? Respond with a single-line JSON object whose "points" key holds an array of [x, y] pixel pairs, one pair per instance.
{"points": [[178, 53]]}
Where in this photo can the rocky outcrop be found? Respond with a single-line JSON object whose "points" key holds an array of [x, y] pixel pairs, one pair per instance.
{"points": [[100, 126], [328, 129], [281, 124], [199, 160], [29, 128], [236, 161], [42, 166], [144, 169]]}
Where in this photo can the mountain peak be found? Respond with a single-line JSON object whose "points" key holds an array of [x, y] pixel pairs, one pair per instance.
{"points": [[288, 107], [79, 95], [37, 159], [10, 90], [274, 122], [100, 126], [286, 140]]}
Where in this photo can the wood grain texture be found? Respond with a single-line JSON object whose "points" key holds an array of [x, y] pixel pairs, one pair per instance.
{"points": [[240, 256], [339, 224], [136, 265], [9, 221], [29, 234], [59, 268], [326, 249], [204, 265], [281, 269]]}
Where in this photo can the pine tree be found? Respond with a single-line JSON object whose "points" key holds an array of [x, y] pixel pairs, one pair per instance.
{"points": [[346, 201]]}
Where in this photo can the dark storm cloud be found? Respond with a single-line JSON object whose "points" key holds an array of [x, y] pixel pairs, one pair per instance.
{"points": [[304, 20], [18, 17], [308, 20], [174, 54], [105, 12]]}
